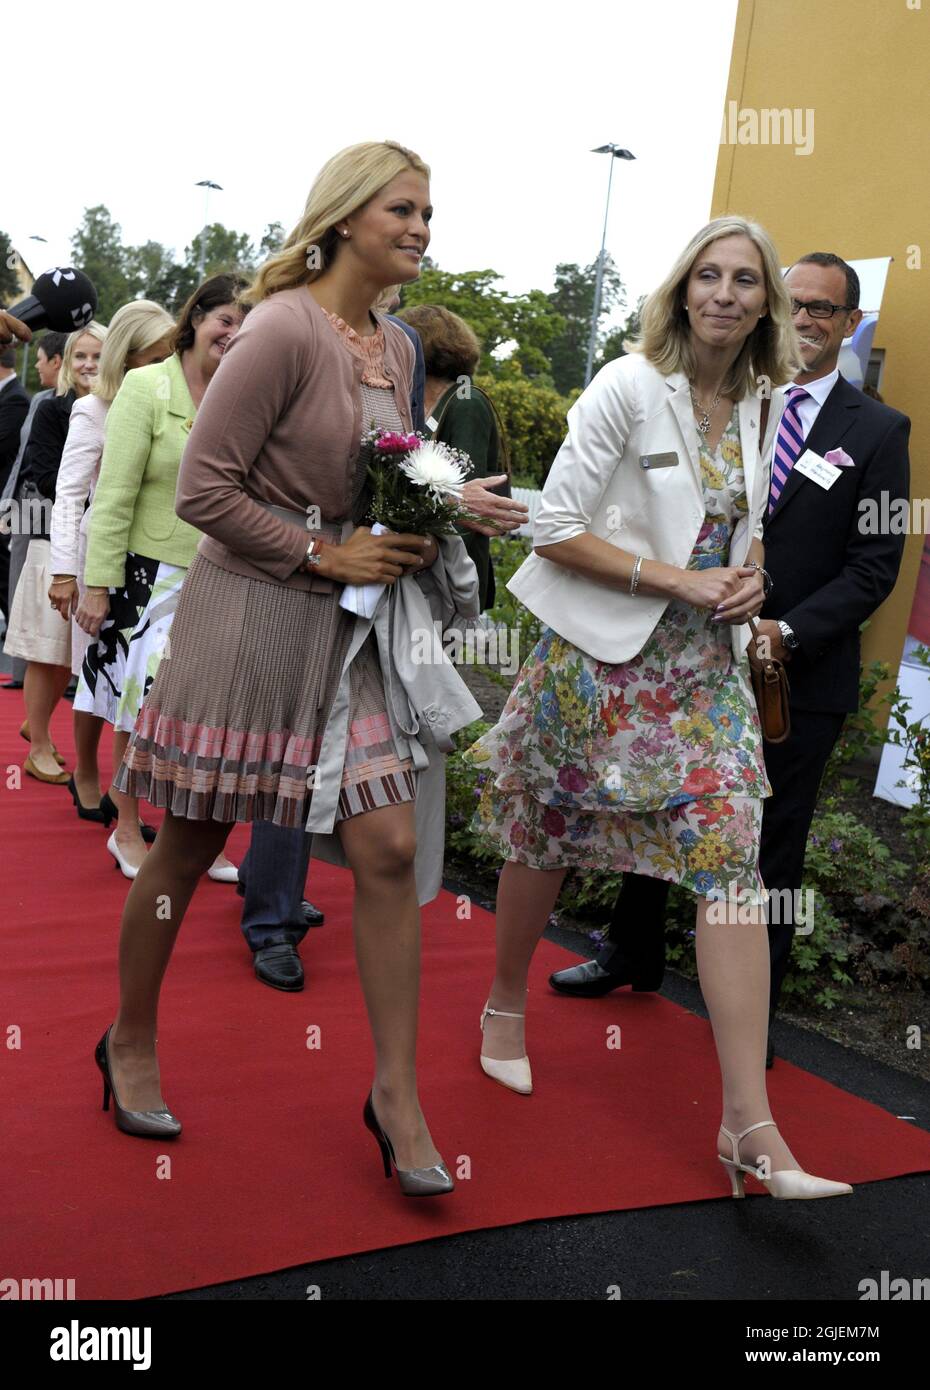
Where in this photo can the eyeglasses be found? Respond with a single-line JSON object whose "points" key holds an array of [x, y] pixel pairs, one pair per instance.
{"points": [[818, 308]]}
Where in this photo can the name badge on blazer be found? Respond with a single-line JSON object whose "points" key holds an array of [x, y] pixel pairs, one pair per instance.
{"points": [[811, 465], [658, 460]]}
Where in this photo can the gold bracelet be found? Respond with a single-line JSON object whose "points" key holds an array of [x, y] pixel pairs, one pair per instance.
{"points": [[634, 578]]}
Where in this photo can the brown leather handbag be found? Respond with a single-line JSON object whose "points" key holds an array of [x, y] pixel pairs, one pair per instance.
{"points": [[770, 685]]}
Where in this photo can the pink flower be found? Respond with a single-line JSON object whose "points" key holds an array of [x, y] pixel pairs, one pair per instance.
{"points": [[517, 835], [571, 779], [393, 443], [554, 822], [839, 458]]}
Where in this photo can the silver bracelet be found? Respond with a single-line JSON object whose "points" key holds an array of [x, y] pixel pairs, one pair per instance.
{"points": [[768, 583], [634, 578]]}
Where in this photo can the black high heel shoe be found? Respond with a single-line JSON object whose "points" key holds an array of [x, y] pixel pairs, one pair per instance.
{"points": [[94, 813], [108, 807], [147, 1124], [414, 1182]]}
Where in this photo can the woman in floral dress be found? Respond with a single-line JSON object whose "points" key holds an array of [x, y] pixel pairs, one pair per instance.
{"points": [[631, 740]]}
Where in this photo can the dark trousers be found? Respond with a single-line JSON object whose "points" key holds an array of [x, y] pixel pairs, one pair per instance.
{"points": [[274, 874], [795, 769]]}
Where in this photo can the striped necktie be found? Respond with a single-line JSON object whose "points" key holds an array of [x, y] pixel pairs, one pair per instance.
{"points": [[788, 444]]}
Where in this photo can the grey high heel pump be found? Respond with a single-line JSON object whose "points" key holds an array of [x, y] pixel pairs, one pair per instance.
{"points": [[414, 1182], [146, 1124]]}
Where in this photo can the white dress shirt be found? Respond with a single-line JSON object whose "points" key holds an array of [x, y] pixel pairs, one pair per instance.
{"points": [[818, 390]]}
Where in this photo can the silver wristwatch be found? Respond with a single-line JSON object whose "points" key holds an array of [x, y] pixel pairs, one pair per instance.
{"points": [[788, 636]]}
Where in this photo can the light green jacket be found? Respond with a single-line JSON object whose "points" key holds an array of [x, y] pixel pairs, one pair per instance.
{"points": [[133, 507]]}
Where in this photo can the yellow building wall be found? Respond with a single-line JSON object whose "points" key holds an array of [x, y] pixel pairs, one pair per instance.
{"points": [[863, 68]]}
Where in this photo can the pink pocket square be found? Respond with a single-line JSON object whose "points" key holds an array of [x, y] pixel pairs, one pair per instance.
{"points": [[839, 459]]}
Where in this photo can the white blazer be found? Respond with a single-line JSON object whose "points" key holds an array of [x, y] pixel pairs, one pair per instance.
{"points": [[75, 484], [607, 480]]}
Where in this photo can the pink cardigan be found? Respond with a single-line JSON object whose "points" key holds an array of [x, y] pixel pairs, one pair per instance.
{"points": [[280, 422]]}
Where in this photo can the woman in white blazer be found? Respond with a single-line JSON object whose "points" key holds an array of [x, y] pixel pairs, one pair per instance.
{"points": [[631, 741], [137, 335]]}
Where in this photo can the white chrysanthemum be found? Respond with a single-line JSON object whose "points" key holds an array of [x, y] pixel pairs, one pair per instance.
{"points": [[434, 467]]}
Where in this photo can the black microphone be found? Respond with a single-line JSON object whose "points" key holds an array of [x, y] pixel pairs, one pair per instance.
{"points": [[62, 299]]}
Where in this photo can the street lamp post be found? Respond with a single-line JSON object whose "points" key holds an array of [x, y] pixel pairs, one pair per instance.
{"points": [[615, 152], [206, 185]]}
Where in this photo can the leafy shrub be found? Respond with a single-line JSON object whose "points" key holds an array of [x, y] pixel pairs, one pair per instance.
{"points": [[533, 417]]}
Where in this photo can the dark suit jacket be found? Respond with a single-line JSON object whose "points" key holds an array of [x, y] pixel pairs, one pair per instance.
{"points": [[14, 407], [829, 572], [419, 374], [46, 444]]}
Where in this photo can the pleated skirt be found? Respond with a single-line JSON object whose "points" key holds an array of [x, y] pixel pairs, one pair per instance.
{"points": [[232, 726]]}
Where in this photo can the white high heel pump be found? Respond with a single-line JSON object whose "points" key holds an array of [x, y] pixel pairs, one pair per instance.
{"points": [[786, 1182], [223, 873], [515, 1073], [124, 866]]}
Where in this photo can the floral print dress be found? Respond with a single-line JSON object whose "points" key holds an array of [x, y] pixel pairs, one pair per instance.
{"points": [[653, 766]]}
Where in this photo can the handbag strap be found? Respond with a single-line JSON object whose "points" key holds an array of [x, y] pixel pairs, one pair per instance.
{"points": [[504, 458]]}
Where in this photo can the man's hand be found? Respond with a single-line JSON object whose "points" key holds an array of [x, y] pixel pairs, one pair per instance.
{"points": [[11, 329], [500, 514], [768, 629]]}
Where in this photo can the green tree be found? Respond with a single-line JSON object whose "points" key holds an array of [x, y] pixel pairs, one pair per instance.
{"points": [[613, 345], [272, 240], [497, 318], [9, 284], [97, 247], [225, 251], [153, 273], [573, 299]]}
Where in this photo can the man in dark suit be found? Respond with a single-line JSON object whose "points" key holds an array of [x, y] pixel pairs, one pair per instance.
{"points": [[831, 570], [14, 407]]}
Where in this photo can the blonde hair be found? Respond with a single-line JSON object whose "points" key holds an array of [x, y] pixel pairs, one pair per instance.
{"points": [[771, 351], [344, 184], [66, 380], [133, 328]]}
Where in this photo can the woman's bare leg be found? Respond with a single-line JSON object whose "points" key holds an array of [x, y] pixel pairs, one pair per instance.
{"points": [[155, 908], [43, 687], [525, 898], [380, 846], [87, 731], [733, 967], [128, 835]]}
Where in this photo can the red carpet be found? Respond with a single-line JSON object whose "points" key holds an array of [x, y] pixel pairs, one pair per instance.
{"points": [[274, 1167]]}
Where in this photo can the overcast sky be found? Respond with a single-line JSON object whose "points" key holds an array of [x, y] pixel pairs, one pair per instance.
{"points": [[503, 100]]}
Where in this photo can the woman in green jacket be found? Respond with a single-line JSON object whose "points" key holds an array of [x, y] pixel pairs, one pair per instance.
{"points": [[460, 414], [138, 549]]}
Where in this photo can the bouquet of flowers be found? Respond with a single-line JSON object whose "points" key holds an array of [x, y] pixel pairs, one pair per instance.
{"points": [[416, 487], [412, 480]]}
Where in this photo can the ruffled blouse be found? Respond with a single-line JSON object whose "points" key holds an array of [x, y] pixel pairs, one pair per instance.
{"points": [[369, 350]]}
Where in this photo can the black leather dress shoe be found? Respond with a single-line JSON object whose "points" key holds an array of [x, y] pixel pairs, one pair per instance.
{"points": [[279, 966], [313, 917], [590, 980]]}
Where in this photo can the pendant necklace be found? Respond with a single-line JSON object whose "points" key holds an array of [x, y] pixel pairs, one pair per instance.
{"points": [[704, 423]]}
